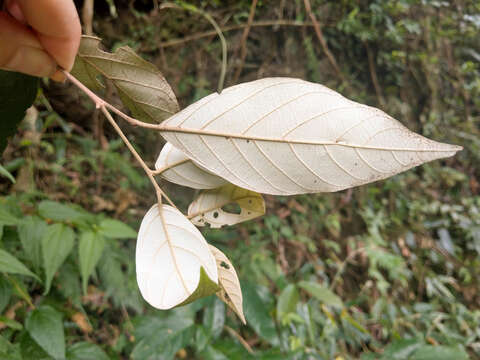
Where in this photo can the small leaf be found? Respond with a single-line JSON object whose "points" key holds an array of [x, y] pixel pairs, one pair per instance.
{"points": [[174, 264], [7, 218], [321, 293], [45, 326], [440, 352], [59, 212], [115, 229], [10, 264], [230, 292], [140, 85], [57, 242], [287, 302], [31, 233], [214, 316], [90, 248], [5, 293], [10, 323], [177, 168], [17, 94], [207, 207], [86, 351], [6, 173]]}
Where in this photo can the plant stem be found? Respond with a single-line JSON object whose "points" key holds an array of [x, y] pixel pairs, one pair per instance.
{"points": [[104, 106]]}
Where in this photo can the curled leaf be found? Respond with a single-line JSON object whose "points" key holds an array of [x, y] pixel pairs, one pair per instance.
{"points": [[140, 85], [173, 262], [207, 207], [177, 168], [286, 136], [230, 292]]}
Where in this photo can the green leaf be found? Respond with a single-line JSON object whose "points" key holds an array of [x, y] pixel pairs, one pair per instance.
{"points": [[9, 351], [287, 302], [86, 351], [211, 353], [11, 323], [206, 287], [321, 293], [7, 174], [6, 217], [17, 94], [59, 212], [140, 85], [10, 264], [401, 349], [214, 318], [30, 349], [430, 352], [31, 232], [5, 293], [57, 242], [90, 248], [115, 229], [45, 326], [257, 314]]}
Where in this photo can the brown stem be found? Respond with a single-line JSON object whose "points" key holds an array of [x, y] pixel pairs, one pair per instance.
{"points": [[243, 51]]}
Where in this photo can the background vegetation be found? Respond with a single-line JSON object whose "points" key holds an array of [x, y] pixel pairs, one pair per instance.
{"points": [[386, 271]]}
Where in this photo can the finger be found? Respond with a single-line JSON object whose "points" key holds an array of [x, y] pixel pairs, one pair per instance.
{"points": [[57, 27], [21, 50]]}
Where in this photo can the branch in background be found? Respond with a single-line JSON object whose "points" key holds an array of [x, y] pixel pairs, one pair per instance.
{"points": [[218, 31], [373, 74], [243, 51], [87, 16], [266, 23], [323, 42]]}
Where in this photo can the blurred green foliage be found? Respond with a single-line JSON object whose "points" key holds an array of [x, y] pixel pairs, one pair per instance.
{"points": [[386, 271]]}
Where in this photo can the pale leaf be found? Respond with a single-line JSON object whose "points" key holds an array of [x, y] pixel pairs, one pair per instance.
{"points": [[177, 168], [230, 292], [287, 136], [207, 207], [173, 262], [140, 85]]}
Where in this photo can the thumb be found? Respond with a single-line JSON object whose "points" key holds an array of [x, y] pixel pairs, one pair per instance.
{"points": [[21, 51]]}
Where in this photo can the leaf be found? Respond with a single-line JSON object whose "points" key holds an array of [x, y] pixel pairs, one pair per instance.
{"points": [[30, 349], [285, 136], [10, 323], [441, 352], [5, 293], [214, 316], [174, 264], [90, 248], [7, 218], [6, 173], [115, 229], [17, 94], [59, 212], [11, 265], [230, 292], [31, 233], [287, 302], [45, 326], [321, 293], [177, 168], [57, 243], [207, 207], [86, 351], [140, 85], [257, 313], [9, 351]]}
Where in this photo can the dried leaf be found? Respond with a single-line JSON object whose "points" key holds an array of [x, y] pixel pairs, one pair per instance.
{"points": [[207, 207], [285, 136], [174, 264], [179, 169], [230, 292], [140, 85]]}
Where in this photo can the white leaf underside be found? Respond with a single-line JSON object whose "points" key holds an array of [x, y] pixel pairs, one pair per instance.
{"points": [[207, 207], [286, 136], [169, 254], [182, 170], [230, 292]]}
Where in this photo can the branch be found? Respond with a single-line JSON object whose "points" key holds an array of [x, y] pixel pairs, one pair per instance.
{"points": [[168, 167], [243, 52], [104, 106], [323, 42]]}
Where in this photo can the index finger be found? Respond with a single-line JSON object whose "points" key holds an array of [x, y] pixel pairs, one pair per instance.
{"points": [[57, 27]]}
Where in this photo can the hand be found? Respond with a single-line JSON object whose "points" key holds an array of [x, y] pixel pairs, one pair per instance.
{"points": [[39, 36]]}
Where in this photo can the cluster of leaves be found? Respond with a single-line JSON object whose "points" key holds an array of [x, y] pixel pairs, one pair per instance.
{"points": [[402, 255]]}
